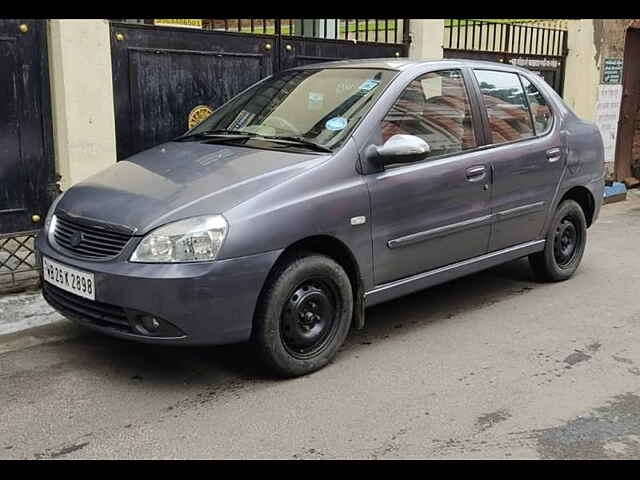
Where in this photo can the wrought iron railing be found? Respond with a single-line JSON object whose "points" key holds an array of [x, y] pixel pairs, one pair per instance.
{"points": [[367, 30], [378, 30], [18, 260], [514, 38]]}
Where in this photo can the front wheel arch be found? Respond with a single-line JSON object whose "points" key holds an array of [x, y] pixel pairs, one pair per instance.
{"points": [[337, 251]]}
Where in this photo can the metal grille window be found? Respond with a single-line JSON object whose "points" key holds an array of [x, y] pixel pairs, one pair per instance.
{"points": [[506, 106]]}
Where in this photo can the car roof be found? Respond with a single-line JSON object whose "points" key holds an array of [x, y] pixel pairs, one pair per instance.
{"points": [[399, 64]]}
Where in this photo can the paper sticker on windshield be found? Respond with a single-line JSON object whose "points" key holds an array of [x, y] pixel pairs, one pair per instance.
{"points": [[369, 85], [315, 101], [336, 123]]}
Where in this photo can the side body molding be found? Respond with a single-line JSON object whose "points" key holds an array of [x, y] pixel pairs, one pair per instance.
{"points": [[467, 224], [404, 286]]}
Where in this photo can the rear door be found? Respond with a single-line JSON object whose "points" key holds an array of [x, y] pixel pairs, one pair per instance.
{"points": [[526, 155], [434, 212]]}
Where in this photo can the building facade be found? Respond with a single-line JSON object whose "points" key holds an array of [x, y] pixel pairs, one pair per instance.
{"points": [[598, 62]]}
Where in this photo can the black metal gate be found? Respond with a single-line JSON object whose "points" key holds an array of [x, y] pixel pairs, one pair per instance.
{"points": [[161, 74], [27, 182], [540, 49]]}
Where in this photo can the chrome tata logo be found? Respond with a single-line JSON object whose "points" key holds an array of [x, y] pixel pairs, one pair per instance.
{"points": [[75, 239]]}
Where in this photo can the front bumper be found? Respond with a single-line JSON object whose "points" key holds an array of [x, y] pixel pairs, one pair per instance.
{"points": [[207, 303]]}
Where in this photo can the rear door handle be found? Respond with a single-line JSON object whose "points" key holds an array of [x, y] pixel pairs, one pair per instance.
{"points": [[475, 173], [554, 154]]}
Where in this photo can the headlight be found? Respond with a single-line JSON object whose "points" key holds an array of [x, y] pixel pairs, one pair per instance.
{"points": [[49, 220], [196, 239]]}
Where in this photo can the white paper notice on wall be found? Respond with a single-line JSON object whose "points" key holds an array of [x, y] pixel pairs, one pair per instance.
{"points": [[606, 118]]}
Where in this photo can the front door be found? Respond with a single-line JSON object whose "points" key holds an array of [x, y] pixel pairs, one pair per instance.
{"points": [[434, 212], [527, 160]]}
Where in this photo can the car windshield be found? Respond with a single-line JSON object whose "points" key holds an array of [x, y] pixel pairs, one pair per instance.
{"points": [[310, 106]]}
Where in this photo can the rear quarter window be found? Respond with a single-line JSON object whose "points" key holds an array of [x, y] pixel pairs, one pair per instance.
{"points": [[540, 110], [506, 106]]}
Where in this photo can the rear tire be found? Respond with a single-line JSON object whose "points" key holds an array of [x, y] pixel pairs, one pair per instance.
{"points": [[565, 244], [303, 315]]}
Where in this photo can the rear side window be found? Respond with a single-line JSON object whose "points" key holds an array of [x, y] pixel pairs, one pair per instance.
{"points": [[506, 106], [434, 107], [540, 111]]}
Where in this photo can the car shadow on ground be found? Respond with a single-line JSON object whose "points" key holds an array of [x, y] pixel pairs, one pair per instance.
{"points": [[170, 365], [456, 297]]}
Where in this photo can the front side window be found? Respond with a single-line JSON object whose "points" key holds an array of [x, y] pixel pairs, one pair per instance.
{"points": [[540, 111], [504, 99], [434, 107], [317, 105]]}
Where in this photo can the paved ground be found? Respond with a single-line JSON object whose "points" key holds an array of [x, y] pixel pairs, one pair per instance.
{"points": [[20, 311], [490, 366]]}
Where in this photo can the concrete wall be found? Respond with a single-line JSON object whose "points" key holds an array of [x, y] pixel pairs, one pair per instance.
{"points": [[426, 39], [609, 36], [582, 74], [590, 41], [82, 98]]}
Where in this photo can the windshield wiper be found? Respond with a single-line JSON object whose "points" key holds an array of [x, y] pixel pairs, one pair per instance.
{"points": [[219, 132], [224, 134], [299, 140], [226, 131]]}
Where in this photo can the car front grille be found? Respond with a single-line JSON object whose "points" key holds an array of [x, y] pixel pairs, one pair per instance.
{"points": [[88, 240], [80, 308]]}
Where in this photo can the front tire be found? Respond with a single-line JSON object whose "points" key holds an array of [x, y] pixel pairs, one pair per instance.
{"points": [[303, 315], [564, 246]]}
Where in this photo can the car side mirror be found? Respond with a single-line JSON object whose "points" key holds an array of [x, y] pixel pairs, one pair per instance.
{"points": [[398, 149]]}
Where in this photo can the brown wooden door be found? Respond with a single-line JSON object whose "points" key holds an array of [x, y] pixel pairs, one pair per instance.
{"points": [[630, 105]]}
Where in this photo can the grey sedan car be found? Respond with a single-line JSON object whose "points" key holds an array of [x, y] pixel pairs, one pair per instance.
{"points": [[318, 192]]}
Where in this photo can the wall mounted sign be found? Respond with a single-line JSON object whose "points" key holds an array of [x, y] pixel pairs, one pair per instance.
{"points": [[179, 22], [606, 117], [612, 71], [535, 62]]}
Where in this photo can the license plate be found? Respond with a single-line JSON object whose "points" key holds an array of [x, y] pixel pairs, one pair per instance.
{"points": [[69, 279]]}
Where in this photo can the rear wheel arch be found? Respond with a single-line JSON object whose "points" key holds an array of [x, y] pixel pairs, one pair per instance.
{"points": [[584, 198], [564, 246]]}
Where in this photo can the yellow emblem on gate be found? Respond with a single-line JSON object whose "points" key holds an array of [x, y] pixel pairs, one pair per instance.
{"points": [[198, 114]]}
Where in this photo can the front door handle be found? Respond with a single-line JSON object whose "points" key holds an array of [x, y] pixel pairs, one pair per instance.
{"points": [[477, 172], [554, 154]]}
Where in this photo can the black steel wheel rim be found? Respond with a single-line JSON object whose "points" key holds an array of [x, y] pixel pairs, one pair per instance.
{"points": [[309, 317], [566, 241]]}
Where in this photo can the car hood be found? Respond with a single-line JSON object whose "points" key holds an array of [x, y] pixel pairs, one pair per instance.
{"points": [[176, 180]]}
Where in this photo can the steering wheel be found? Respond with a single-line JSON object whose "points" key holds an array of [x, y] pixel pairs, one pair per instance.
{"points": [[282, 124]]}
